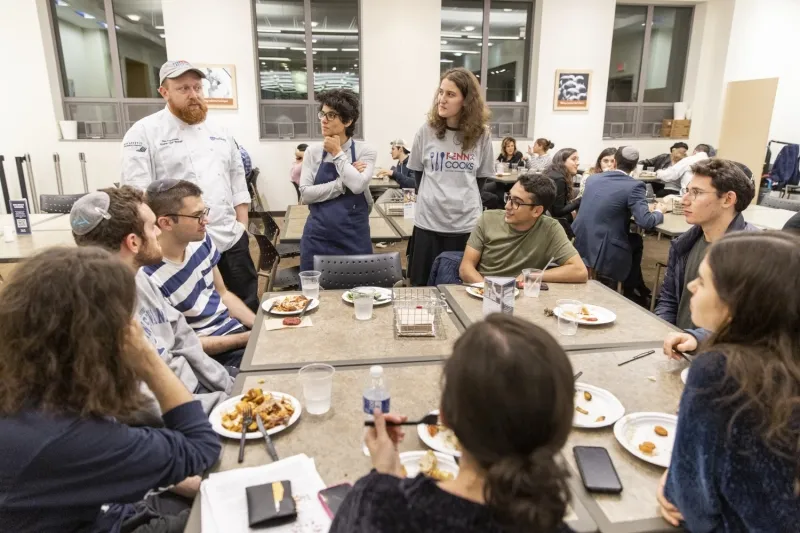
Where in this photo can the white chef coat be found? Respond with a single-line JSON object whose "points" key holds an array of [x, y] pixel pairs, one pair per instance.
{"points": [[163, 146]]}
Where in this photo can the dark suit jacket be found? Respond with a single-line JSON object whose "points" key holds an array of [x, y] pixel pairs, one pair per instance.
{"points": [[604, 219]]}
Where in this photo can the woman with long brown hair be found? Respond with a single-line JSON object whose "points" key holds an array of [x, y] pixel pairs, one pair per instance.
{"points": [[452, 152], [509, 478], [736, 459], [72, 360], [562, 171], [605, 162], [509, 153]]}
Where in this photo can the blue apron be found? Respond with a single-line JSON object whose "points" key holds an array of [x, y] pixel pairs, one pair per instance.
{"points": [[339, 226]]}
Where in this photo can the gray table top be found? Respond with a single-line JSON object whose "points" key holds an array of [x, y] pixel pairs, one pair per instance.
{"points": [[380, 229], [26, 245], [766, 218], [380, 183], [634, 326], [337, 338], [403, 226]]}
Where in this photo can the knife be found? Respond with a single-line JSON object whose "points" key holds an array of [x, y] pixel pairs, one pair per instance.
{"points": [[271, 307], [270, 447], [303, 312]]}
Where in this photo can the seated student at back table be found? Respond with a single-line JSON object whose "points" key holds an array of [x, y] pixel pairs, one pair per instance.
{"points": [[505, 242], [72, 357], [735, 463], [716, 197], [400, 172], [188, 276], [677, 177], [118, 220]]}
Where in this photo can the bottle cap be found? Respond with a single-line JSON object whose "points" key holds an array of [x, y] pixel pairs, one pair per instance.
{"points": [[376, 371]]}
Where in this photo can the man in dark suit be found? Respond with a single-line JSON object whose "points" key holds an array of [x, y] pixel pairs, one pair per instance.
{"points": [[603, 224]]}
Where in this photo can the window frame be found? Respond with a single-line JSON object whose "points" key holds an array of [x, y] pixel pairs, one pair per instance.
{"points": [[640, 106], [310, 101], [118, 100]]}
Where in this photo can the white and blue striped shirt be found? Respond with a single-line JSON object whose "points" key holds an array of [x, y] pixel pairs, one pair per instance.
{"points": [[189, 288]]}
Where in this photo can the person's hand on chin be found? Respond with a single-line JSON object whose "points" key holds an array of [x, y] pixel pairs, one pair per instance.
{"points": [[333, 145]]}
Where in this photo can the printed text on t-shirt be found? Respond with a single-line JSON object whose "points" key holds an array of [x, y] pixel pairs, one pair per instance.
{"points": [[444, 161]]}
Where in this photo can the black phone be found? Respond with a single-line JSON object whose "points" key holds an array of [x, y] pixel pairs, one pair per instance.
{"points": [[332, 497], [597, 470]]}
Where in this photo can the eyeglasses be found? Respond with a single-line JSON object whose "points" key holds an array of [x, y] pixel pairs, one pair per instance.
{"points": [[186, 88], [694, 193], [160, 186], [330, 115], [199, 217], [515, 203]]}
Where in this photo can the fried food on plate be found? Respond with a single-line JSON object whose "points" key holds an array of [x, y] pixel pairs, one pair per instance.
{"points": [[274, 411]]}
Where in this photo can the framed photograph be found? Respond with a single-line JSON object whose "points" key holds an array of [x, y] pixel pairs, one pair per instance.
{"points": [[572, 90], [219, 86]]}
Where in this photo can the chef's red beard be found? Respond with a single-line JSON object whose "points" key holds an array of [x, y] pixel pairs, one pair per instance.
{"points": [[189, 114]]}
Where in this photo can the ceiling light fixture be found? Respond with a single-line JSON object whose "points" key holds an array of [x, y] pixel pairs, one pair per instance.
{"points": [[61, 3], [85, 15], [135, 18], [334, 68], [507, 10], [458, 54], [444, 42], [349, 49], [159, 27], [469, 28], [266, 29], [162, 35], [446, 61]]}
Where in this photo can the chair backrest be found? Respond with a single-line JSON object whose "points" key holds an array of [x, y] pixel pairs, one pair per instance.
{"points": [[266, 224], [349, 271], [781, 203], [58, 203]]}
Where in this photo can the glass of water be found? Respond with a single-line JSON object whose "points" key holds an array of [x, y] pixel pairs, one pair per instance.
{"points": [[317, 382], [309, 281], [363, 300], [532, 280], [568, 316]]}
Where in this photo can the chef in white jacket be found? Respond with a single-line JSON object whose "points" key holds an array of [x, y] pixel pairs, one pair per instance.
{"points": [[178, 142]]}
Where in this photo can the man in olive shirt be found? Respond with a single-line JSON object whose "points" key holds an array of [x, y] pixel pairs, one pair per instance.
{"points": [[505, 242]]}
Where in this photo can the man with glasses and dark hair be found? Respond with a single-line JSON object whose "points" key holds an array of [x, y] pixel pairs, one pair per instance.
{"points": [[714, 201], [118, 220], [505, 242], [188, 276], [334, 183], [179, 143]]}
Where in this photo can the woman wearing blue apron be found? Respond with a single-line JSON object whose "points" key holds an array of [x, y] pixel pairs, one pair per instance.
{"points": [[335, 184]]}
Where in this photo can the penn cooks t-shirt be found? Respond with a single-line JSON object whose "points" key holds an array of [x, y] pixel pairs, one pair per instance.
{"points": [[448, 200]]}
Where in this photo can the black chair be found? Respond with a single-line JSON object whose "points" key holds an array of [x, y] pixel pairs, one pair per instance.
{"points": [[58, 203], [270, 228], [349, 271], [268, 261], [252, 186], [781, 203]]}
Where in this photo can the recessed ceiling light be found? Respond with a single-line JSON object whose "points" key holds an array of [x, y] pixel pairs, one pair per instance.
{"points": [[507, 10], [85, 15], [469, 28], [444, 42], [457, 54], [313, 40], [161, 27], [61, 3], [334, 68], [162, 35], [314, 24], [446, 61], [135, 18]]}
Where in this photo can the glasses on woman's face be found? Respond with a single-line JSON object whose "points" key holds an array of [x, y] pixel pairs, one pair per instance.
{"points": [[330, 115], [515, 202], [200, 217]]}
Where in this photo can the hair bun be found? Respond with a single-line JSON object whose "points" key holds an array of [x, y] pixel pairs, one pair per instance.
{"points": [[550, 145]]}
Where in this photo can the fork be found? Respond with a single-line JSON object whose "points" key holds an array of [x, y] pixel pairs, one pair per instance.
{"points": [[429, 420], [247, 419]]}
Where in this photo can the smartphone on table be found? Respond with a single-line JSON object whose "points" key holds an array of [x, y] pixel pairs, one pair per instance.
{"points": [[597, 470], [332, 497]]}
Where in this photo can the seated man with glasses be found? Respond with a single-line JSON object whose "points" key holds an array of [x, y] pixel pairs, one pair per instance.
{"points": [[505, 242], [188, 276], [717, 195]]}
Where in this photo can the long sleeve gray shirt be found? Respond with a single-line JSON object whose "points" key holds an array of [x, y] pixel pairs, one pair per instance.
{"points": [[357, 182]]}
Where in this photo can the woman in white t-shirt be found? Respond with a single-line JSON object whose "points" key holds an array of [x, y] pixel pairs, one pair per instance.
{"points": [[451, 151]]}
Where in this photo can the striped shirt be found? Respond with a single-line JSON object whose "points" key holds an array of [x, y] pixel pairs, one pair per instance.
{"points": [[189, 288]]}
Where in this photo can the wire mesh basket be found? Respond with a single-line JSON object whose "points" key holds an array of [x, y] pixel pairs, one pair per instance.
{"points": [[418, 312]]}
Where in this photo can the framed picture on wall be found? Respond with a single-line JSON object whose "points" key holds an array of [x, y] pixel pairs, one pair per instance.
{"points": [[219, 86], [572, 90]]}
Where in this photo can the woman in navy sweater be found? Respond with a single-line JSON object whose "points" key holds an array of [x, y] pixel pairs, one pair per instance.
{"points": [[736, 461], [72, 360]]}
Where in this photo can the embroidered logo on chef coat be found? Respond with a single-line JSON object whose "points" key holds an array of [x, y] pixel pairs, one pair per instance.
{"points": [[223, 139], [135, 146], [167, 142]]}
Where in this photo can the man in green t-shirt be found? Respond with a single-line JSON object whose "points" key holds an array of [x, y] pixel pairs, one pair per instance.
{"points": [[505, 242]]}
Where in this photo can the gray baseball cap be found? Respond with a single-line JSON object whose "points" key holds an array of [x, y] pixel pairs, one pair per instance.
{"points": [[173, 69], [89, 211], [400, 143]]}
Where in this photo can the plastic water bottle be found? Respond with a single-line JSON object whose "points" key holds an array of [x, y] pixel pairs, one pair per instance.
{"points": [[376, 394]]}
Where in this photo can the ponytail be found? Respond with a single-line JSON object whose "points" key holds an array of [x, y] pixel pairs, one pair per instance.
{"points": [[528, 493]]}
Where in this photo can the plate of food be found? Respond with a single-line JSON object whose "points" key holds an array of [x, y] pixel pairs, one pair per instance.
{"points": [[277, 410], [595, 407], [648, 436], [591, 315], [288, 305], [685, 375], [438, 466], [476, 290], [382, 296], [440, 438]]}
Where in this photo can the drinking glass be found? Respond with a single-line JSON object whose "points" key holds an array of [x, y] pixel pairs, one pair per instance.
{"points": [[568, 316], [317, 382], [363, 300], [532, 279], [309, 281]]}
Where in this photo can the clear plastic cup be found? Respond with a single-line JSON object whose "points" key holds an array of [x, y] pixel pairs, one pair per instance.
{"points": [[363, 301], [9, 235], [309, 281], [568, 316], [532, 281], [317, 382]]}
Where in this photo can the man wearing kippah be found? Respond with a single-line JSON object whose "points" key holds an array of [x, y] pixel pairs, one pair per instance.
{"points": [[178, 142]]}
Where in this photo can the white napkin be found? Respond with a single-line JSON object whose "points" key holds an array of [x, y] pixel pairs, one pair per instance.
{"points": [[272, 324], [224, 503]]}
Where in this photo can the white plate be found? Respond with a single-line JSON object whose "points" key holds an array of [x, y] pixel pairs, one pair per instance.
{"points": [[603, 403], [636, 428], [410, 460], [268, 303], [230, 404], [438, 443], [386, 295], [604, 316], [471, 290], [685, 375]]}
